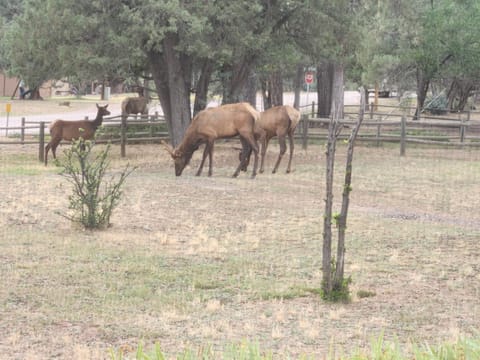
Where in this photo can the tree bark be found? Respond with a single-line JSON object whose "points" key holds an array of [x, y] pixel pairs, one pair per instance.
{"points": [[337, 90], [458, 94], [272, 90], [201, 88], [423, 83], [325, 73], [234, 79], [327, 283], [172, 73], [342, 218], [297, 85]]}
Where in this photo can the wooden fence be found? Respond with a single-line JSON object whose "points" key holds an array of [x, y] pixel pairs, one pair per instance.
{"points": [[381, 124], [136, 129], [395, 124]]}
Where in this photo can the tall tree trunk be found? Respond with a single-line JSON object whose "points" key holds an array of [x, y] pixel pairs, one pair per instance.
{"points": [[250, 90], [297, 85], [276, 88], [172, 73], [234, 79], [337, 90], [267, 100], [423, 83], [325, 73], [272, 89], [338, 280], [201, 88], [458, 94]]}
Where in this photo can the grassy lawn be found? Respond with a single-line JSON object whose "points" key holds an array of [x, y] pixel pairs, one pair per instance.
{"points": [[195, 261]]}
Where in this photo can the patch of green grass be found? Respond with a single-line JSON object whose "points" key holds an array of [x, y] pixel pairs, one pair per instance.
{"points": [[463, 349], [365, 294]]}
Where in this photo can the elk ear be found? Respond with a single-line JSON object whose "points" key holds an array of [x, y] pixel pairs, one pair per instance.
{"points": [[168, 147]]}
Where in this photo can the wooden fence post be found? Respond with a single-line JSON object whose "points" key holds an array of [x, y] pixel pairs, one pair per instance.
{"points": [[463, 127], [22, 131], [123, 135], [378, 130], [41, 142], [304, 131], [313, 109], [403, 134]]}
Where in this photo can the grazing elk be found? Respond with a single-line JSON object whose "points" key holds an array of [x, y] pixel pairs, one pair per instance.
{"points": [[280, 121], [225, 121], [135, 105], [72, 130]]}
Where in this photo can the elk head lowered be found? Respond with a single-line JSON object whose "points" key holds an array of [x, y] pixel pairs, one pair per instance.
{"points": [[225, 121]]}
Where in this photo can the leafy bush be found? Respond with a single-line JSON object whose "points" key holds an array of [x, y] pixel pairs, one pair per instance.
{"points": [[92, 200]]}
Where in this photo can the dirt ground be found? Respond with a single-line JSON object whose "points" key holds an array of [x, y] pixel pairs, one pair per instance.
{"points": [[193, 261]]}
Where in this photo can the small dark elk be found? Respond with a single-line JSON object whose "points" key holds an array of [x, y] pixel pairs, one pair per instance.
{"points": [[135, 105], [280, 121], [73, 130], [225, 121]]}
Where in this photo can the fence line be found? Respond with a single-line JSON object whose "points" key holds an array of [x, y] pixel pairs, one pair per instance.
{"points": [[379, 127]]}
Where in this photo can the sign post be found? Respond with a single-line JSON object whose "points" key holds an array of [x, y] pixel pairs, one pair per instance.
{"points": [[308, 81], [8, 109]]}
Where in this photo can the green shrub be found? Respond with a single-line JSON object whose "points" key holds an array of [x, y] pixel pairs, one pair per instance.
{"points": [[93, 199]]}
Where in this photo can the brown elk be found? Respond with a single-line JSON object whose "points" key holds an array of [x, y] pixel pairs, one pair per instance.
{"points": [[135, 105], [280, 121], [72, 130], [225, 121]]}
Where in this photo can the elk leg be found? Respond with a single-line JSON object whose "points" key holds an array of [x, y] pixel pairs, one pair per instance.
{"points": [[255, 163], [243, 157], [210, 156], [263, 152], [283, 148], [46, 153], [54, 148], [205, 152], [290, 138]]}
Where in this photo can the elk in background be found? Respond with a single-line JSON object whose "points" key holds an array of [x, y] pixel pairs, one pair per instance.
{"points": [[72, 130], [225, 121], [280, 121], [135, 105]]}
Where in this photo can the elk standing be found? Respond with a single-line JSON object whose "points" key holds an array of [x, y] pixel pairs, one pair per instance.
{"points": [[135, 105], [225, 121], [72, 130], [280, 121]]}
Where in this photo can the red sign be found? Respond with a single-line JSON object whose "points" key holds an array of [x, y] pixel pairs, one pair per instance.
{"points": [[309, 77]]}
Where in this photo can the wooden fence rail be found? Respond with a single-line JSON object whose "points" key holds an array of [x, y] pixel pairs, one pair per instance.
{"points": [[391, 126], [460, 131]]}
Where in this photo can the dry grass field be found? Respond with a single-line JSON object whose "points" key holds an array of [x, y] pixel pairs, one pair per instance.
{"points": [[193, 261]]}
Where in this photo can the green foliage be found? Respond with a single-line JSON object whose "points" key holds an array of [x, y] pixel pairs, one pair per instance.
{"points": [[340, 292], [365, 294], [93, 200], [463, 349]]}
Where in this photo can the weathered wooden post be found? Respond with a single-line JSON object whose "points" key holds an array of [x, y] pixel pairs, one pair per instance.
{"points": [[463, 127], [123, 135], [22, 131], [41, 142], [313, 109], [403, 134], [304, 131]]}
